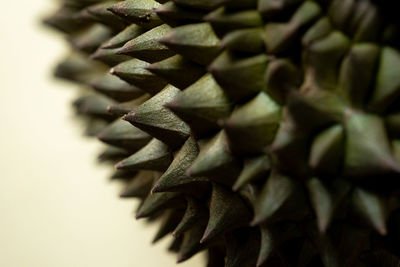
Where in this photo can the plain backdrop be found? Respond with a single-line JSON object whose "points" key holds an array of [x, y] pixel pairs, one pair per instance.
{"points": [[57, 208]]}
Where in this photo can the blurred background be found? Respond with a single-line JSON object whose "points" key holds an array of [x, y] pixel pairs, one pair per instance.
{"points": [[57, 207]]}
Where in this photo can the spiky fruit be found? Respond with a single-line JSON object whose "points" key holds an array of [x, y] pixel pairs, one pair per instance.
{"points": [[266, 132]]}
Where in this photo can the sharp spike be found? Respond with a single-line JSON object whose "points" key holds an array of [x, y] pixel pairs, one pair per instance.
{"points": [[254, 169], [257, 120], [215, 161], [227, 212], [121, 109], [244, 40], [201, 105], [170, 220], [367, 153], [196, 42], [194, 213], [156, 202], [109, 56], [146, 46], [160, 122], [124, 36], [280, 197], [372, 208], [134, 72], [154, 156], [121, 134], [175, 176], [116, 88], [327, 149], [387, 88], [171, 70], [240, 77]]}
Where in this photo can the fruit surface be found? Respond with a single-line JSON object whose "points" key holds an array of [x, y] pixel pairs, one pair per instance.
{"points": [[266, 132]]}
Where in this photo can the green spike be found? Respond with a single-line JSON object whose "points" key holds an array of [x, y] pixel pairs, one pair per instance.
{"points": [[154, 118], [124, 36], [322, 58], [171, 70], [90, 38], [289, 146], [109, 56], [372, 208], [281, 77], [140, 12], [281, 196], [387, 88], [175, 15], [140, 185], [316, 108], [223, 20], [254, 169], [94, 105], [322, 202], [249, 193], [227, 212], [191, 242], [244, 40], [239, 76], [100, 13], [77, 68], [280, 36], [146, 46], [319, 30], [121, 134], [196, 42], [64, 20], [355, 82], [116, 88], [121, 109], [170, 220], [112, 154], [134, 72], [154, 156], [156, 202], [215, 161], [267, 246], [175, 176], [257, 120], [327, 150], [242, 247], [194, 213], [201, 105], [367, 153], [270, 8]]}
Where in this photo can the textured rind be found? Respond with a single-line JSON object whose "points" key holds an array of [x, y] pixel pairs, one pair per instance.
{"points": [[277, 123]]}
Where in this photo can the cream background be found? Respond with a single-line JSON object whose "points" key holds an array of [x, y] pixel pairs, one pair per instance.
{"points": [[56, 206]]}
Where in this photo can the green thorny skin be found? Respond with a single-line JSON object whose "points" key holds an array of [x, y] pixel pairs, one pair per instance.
{"points": [[266, 132]]}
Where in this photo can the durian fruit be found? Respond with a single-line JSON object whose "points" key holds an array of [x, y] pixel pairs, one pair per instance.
{"points": [[265, 132]]}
